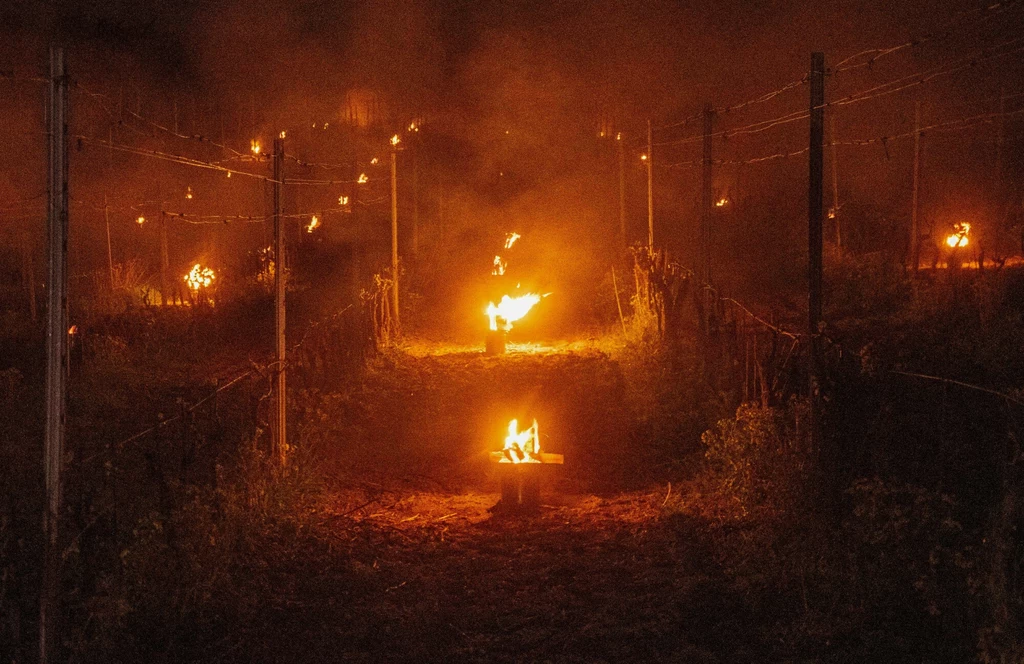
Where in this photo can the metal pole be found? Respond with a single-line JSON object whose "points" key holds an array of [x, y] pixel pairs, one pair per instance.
{"points": [[280, 438], [56, 351], [705, 198], [394, 237], [914, 234], [835, 178], [650, 190], [622, 190], [814, 235], [110, 256]]}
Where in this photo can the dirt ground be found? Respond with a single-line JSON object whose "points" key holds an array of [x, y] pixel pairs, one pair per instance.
{"points": [[405, 561]]}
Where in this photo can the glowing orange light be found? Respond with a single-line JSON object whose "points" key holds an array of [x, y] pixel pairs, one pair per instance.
{"points": [[313, 224], [511, 309], [199, 277], [374, 160], [643, 157], [140, 220], [521, 446], [618, 136], [511, 238], [188, 193], [395, 140], [363, 179], [255, 147], [959, 237], [499, 266], [281, 135], [413, 126], [342, 200], [721, 202], [73, 330]]}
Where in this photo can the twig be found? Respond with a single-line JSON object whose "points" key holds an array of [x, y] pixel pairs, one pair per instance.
{"points": [[615, 287], [664, 502]]}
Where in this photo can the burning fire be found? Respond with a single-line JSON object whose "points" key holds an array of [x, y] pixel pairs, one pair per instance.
{"points": [[499, 266], [254, 145], [395, 140], [313, 223], [373, 161], [363, 179], [511, 238], [343, 200], [511, 309], [140, 220], [521, 446], [643, 157], [199, 277], [959, 237], [722, 202], [188, 193]]}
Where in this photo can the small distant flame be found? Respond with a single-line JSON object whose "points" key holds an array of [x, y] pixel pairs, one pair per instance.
{"points": [[374, 161], [343, 200], [199, 277], [643, 157], [255, 146], [511, 238], [618, 136], [959, 237], [313, 224], [499, 266], [229, 173], [521, 446], [281, 135], [188, 193], [363, 179], [722, 202], [395, 140], [73, 330], [511, 309], [140, 220], [831, 213], [413, 126]]}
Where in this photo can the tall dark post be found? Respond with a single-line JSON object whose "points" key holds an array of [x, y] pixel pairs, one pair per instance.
{"points": [[915, 235], [705, 198], [814, 237], [280, 437], [56, 350], [650, 190], [394, 230], [622, 190]]}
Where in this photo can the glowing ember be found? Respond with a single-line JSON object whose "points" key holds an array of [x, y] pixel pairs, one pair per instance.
{"points": [[721, 202], [959, 237], [374, 160], [255, 147], [188, 193], [199, 277], [511, 309], [281, 135], [413, 126], [643, 157], [618, 136], [511, 238], [395, 140], [342, 200], [313, 223], [140, 220], [499, 266], [363, 179], [73, 330], [521, 446]]}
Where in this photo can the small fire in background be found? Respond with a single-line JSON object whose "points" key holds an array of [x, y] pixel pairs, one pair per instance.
{"points": [[188, 193], [511, 238], [314, 223], [722, 202], [959, 237], [343, 200], [73, 330], [395, 140], [521, 446], [374, 161], [643, 157], [413, 126], [499, 266], [255, 147], [199, 277], [140, 220], [511, 309], [363, 179]]}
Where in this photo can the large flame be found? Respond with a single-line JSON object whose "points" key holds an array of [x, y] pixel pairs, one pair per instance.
{"points": [[959, 237], [510, 309], [521, 446], [499, 266], [199, 277]]}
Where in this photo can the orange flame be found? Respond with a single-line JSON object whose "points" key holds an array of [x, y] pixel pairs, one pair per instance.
{"points": [[511, 238], [313, 224], [959, 237], [363, 179], [499, 266], [511, 309], [254, 145], [199, 277], [521, 446], [140, 220]]}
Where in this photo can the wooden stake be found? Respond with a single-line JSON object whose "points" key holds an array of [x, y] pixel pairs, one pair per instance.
{"points": [[56, 352], [650, 191], [280, 437]]}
